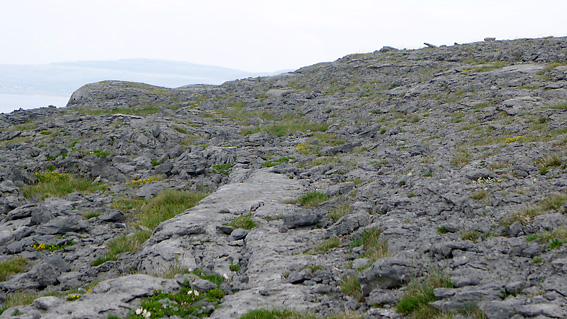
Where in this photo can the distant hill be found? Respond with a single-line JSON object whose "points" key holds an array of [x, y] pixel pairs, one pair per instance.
{"points": [[63, 78]]}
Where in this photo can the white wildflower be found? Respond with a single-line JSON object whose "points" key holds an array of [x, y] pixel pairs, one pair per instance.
{"points": [[139, 311], [196, 292], [225, 276]]}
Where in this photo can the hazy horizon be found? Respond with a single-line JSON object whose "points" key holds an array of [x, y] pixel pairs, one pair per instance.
{"points": [[257, 36], [32, 86]]}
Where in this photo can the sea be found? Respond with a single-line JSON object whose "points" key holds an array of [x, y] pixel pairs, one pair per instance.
{"points": [[12, 102]]}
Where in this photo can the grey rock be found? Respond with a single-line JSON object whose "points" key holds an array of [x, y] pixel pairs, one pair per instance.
{"points": [[302, 219], [386, 273], [503, 309], [380, 297], [349, 223], [112, 216], [63, 225], [202, 284], [339, 189], [345, 148], [360, 263], [45, 303], [239, 233], [551, 310], [515, 229], [225, 229]]}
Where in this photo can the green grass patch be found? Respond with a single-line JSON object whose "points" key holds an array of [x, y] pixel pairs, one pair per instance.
{"points": [[185, 303], [234, 267], [150, 214], [54, 184], [559, 106], [310, 199], [222, 168], [281, 160], [375, 245], [554, 238], [167, 205], [339, 212], [244, 222], [552, 160], [123, 244], [472, 235], [479, 194], [328, 244], [351, 286], [12, 266], [90, 214], [419, 293], [180, 129], [18, 298], [526, 216], [214, 278], [461, 160]]}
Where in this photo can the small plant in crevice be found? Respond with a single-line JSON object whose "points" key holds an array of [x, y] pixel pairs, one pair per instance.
{"points": [[233, 267], [537, 260], [554, 238], [310, 199], [222, 168], [351, 286], [244, 222], [52, 247], [472, 235], [461, 160], [339, 212], [281, 160], [140, 182], [328, 244], [375, 245], [419, 294]]}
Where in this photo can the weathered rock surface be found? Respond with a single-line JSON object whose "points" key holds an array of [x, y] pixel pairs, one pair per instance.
{"points": [[457, 155]]}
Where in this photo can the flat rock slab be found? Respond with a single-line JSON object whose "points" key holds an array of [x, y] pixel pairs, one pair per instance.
{"points": [[269, 254]]}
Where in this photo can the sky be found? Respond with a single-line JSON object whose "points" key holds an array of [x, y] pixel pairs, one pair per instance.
{"points": [[257, 36]]}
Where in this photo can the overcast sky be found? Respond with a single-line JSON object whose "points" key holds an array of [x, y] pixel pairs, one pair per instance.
{"points": [[257, 36]]}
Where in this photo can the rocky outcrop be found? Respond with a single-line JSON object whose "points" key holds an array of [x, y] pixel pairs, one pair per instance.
{"points": [[453, 158]]}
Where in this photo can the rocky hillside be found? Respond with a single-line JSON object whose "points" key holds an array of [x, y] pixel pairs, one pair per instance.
{"points": [[423, 183]]}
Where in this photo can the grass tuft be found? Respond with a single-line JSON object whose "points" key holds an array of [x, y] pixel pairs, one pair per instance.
{"points": [[310, 199], [150, 214], [339, 212], [328, 244], [419, 294], [244, 222], [12, 266], [527, 215], [375, 245], [54, 184]]}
